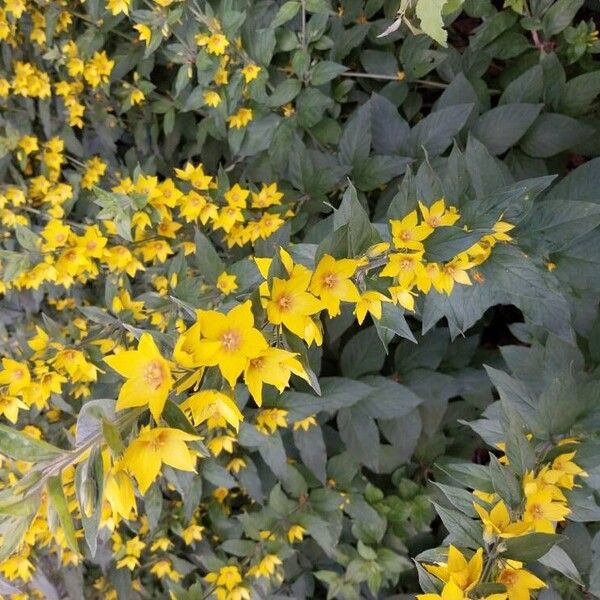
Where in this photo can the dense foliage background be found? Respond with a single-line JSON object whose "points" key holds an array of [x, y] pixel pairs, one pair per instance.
{"points": [[419, 180]]}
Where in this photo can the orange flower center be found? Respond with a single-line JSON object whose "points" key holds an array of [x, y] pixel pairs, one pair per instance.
{"points": [[154, 374], [330, 280], [284, 302], [509, 578], [231, 340], [405, 235], [257, 363], [537, 511]]}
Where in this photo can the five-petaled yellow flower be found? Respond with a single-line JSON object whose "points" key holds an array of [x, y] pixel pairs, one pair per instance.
{"points": [[229, 341], [145, 455], [332, 282], [148, 376]]}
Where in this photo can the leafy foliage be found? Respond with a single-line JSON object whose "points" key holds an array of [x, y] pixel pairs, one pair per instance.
{"points": [[299, 299]]}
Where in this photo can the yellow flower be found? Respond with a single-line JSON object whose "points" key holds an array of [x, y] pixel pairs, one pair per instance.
{"points": [[236, 465], [291, 304], [144, 456], [268, 196], [227, 577], [295, 533], [117, 7], [4, 88], [305, 424], [15, 7], [29, 144], [370, 301], [98, 69], [221, 443], [288, 110], [450, 592], [136, 96], [55, 235], [497, 522], [408, 234], [208, 404], [212, 98], [465, 574], [562, 471], [95, 168], [229, 341], [14, 374], [192, 533], [402, 296], [519, 583], [240, 119], [164, 568], [331, 282], [215, 43], [236, 196], [195, 175], [408, 268], [453, 271], [543, 511], [120, 493], [273, 366], [9, 407], [148, 376], [250, 72], [269, 419], [227, 283], [144, 33], [266, 567], [437, 216], [131, 562]]}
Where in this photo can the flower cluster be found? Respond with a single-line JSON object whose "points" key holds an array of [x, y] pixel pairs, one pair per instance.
{"points": [[134, 233], [542, 509]]}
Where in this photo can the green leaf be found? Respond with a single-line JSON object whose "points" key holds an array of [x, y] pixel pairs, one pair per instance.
{"points": [[311, 445], [529, 547], [553, 133], [207, 259], [579, 93], [528, 87], [468, 474], [503, 126], [392, 323], [324, 71], [507, 277], [362, 354], [436, 131], [460, 499], [285, 92], [89, 488], [556, 558], [360, 231], [12, 531], [462, 530], [57, 497], [556, 410], [286, 12], [429, 13], [355, 142], [505, 483], [360, 436], [447, 242], [26, 238], [20, 446], [560, 15]]}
